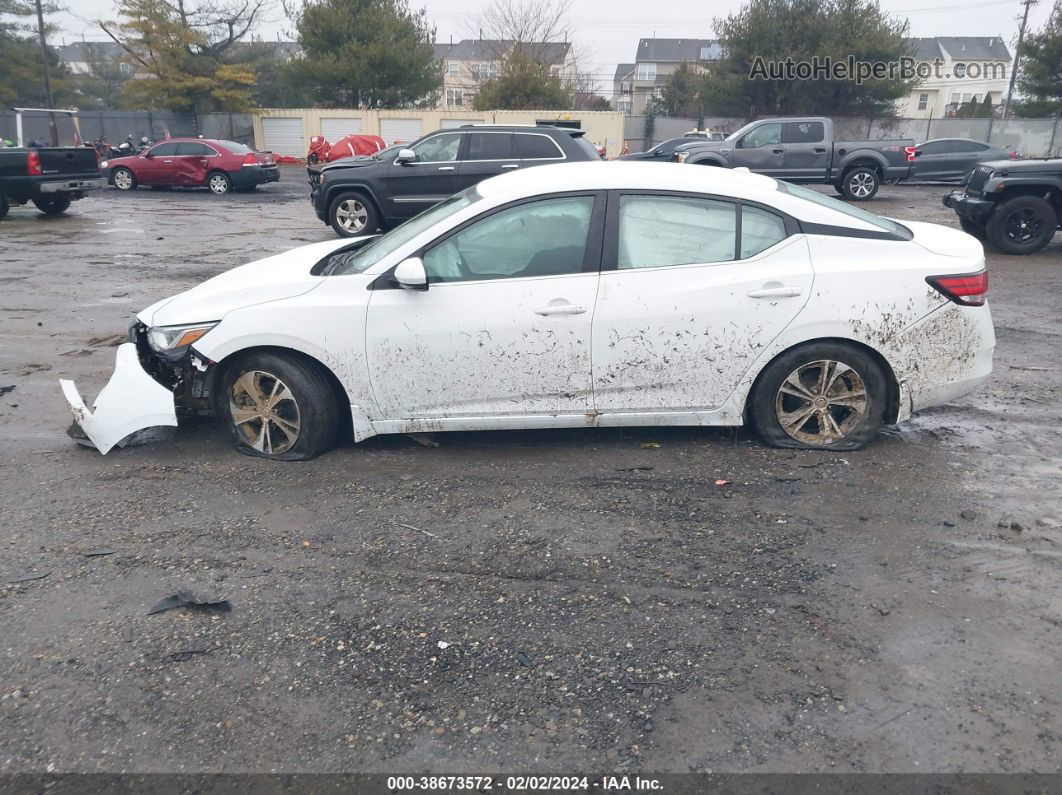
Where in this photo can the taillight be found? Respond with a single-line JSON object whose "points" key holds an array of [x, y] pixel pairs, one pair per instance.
{"points": [[968, 289], [250, 159], [33, 164], [910, 150]]}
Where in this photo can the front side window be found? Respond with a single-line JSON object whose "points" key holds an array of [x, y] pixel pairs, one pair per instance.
{"points": [[659, 231], [491, 146], [764, 135], [438, 148], [541, 238], [165, 150]]}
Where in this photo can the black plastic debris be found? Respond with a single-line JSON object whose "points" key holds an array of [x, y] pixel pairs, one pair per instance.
{"points": [[188, 599], [525, 660], [29, 578], [98, 553], [7, 388], [184, 655]]}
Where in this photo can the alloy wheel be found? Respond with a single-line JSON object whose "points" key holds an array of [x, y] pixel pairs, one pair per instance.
{"points": [[352, 215], [265, 412], [1023, 225], [219, 184], [861, 185], [123, 180], [821, 402]]}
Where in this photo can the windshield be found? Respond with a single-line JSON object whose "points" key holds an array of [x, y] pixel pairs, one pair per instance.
{"points": [[364, 257], [390, 151], [853, 212], [739, 132]]}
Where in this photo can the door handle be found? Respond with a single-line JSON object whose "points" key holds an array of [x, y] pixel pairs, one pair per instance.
{"points": [[511, 165], [820, 150], [446, 168], [167, 161], [775, 292], [777, 151], [561, 309]]}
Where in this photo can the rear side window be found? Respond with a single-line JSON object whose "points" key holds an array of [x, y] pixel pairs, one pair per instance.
{"points": [[538, 147], [166, 149], [804, 132], [491, 146], [969, 146], [759, 230], [235, 147], [658, 231], [189, 148]]}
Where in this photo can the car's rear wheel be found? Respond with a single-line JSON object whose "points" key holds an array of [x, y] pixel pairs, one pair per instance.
{"points": [[219, 183], [860, 184], [1022, 225], [351, 214], [123, 179], [278, 406], [821, 396], [53, 205]]}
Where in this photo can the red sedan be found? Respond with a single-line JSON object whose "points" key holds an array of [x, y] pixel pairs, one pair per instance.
{"points": [[222, 166]]}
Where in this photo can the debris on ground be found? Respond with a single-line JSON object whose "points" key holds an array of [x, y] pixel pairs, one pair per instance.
{"points": [[968, 514], [721, 482], [649, 445], [524, 659], [187, 599], [415, 529], [98, 553], [29, 578], [634, 469], [6, 388], [1009, 523]]}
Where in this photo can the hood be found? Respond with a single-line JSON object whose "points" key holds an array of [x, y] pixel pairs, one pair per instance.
{"points": [[944, 240], [271, 279], [349, 162], [700, 145], [118, 161], [1045, 164]]}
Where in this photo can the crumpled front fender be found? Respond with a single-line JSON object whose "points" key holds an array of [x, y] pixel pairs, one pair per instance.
{"points": [[131, 401]]}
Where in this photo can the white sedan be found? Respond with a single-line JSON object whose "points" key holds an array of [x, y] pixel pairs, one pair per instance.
{"points": [[578, 295]]}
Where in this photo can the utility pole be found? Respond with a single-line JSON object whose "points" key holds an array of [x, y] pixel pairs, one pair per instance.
{"points": [[47, 76], [1017, 54]]}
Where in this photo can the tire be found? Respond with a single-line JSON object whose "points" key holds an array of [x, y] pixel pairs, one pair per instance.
{"points": [[53, 205], [219, 183], [1022, 225], [839, 188], [970, 228], [352, 214], [856, 421], [4, 206], [123, 179], [295, 428], [860, 184]]}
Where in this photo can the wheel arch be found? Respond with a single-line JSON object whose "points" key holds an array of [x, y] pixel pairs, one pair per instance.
{"points": [[863, 160], [334, 191], [892, 407]]}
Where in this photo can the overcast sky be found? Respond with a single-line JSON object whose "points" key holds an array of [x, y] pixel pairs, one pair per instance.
{"points": [[611, 32]]}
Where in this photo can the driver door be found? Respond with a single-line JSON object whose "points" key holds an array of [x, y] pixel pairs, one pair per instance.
{"points": [[503, 330], [156, 166], [761, 150], [413, 187]]}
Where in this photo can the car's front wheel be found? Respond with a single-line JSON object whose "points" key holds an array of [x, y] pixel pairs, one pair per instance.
{"points": [[1022, 225], [351, 214], [860, 184], [822, 396], [219, 183], [123, 179], [277, 406], [53, 205]]}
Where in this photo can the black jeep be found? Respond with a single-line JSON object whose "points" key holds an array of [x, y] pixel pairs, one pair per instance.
{"points": [[358, 197], [1015, 205]]}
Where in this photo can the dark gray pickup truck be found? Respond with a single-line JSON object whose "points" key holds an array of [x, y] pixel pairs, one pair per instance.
{"points": [[50, 177], [803, 149]]}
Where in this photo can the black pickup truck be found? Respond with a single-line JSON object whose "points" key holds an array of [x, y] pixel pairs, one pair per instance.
{"points": [[803, 149], [50, 177]]}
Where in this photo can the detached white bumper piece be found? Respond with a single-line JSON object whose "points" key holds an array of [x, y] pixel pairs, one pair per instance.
{"points": [[131, 401]]}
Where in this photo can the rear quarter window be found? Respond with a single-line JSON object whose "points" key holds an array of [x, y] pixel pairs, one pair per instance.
{"points": [[538, 147]]}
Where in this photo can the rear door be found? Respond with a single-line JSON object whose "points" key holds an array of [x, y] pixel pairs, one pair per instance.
{"points": [[486, 155], [413, 187], [192, 163], [684, 308], [806, 155], [761, 150], [157, 165]]}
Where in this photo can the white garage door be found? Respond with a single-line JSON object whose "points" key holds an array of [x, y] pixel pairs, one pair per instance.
{"points": [[449, 124], [400, 131], [333, 129], [284, 136]]}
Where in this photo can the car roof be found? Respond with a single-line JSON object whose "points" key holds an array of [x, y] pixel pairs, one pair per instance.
{"points": [[574, 131], [672, 177], [190, 140]]}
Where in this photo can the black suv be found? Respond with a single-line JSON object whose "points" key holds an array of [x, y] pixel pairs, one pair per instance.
{"points": [[359, 196], [1015, 205]]}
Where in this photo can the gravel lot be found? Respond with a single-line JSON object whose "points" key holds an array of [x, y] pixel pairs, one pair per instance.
{"points": [[529, 601]]}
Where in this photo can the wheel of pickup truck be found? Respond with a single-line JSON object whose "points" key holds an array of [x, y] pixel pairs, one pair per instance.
{"points": [[277, 406], [351, 214], [123, 179], [53, 205], [3, 205], [860, 184], [1022, 225]]}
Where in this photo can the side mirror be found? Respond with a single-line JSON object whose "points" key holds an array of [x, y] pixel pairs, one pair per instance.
{"points": [[406, 156], [410, 274]]}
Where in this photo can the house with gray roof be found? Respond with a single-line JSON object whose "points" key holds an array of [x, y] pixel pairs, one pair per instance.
{"points": [[634, 84], [469, 63], [961, 69]]}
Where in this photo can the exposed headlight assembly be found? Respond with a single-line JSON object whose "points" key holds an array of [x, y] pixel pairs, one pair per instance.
{"points": [[166, 339]]}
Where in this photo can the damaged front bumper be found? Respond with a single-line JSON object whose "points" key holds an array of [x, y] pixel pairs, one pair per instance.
{"points": [[131, 401]]}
